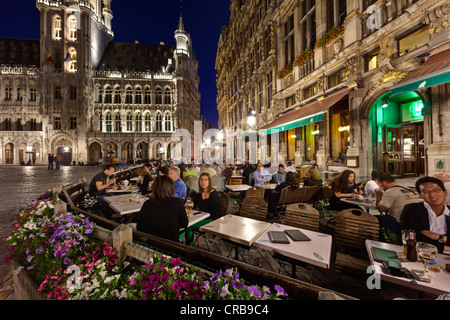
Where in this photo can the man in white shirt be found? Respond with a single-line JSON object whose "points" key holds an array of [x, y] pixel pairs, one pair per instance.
{"points": [[430, 219]]}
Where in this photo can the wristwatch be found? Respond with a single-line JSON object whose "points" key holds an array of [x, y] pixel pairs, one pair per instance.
{"points": [[441, 238]]}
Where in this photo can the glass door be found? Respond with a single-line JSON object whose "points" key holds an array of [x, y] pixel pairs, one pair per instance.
{"points": [[392, 153], [413, 151]]}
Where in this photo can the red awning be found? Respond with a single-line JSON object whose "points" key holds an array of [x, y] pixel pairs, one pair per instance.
{"points": [[314, 108]]}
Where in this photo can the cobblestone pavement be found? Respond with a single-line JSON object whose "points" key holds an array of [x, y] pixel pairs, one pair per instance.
{"points": [[22, 184]]}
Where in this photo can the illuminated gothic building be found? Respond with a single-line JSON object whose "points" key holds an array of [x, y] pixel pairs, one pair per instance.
{"points": [[358, 84], [77, 93]]}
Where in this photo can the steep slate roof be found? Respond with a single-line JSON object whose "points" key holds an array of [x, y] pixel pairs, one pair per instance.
{"points": [[136, 56], [20, 51]]}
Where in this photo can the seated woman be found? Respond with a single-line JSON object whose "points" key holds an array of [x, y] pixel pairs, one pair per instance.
{"points": [[274, 196], [206, 200], [162, 215], [144, 173], [313, 177], [343, 186]]}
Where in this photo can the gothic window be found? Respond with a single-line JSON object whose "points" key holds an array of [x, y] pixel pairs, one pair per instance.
{"points": [[8, 93], [269, 89], [158, 96], [57, 93], [72, 22], [138, 122], [73, 123], [108, 122], [108, 94], [57, 60], [100, 95], [167, 96], [147, 96], [167, 123], [307, 25], [33, 93], [117, 98], [117, 123], [128, 95], [57, 123], [129, 122], [138, 96], [147, 122], [57, 28], [73, 93], [158, 122]]}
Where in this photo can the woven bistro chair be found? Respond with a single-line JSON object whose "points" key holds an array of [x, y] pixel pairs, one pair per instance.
{"points": [[255, 191], [353, 227]]}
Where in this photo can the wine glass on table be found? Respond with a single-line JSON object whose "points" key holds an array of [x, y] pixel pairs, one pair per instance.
{"points": [[427, 252]]}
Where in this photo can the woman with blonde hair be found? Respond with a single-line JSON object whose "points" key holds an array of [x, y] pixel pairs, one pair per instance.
{"points": [[313, 177]]}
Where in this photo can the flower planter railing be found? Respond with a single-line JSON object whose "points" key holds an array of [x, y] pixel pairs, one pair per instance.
{"points": [[138, 246]]}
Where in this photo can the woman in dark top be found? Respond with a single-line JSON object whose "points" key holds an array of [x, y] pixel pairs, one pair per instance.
{"points": [[343, 186], [162, 215], [313, 177], [206, 200], [146, 178]]}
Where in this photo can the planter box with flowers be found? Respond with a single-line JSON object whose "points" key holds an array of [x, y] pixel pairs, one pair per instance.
{"points": [[330, 36], [64, 260], [304, 57]]}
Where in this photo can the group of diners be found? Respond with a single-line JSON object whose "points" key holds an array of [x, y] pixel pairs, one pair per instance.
{"points": [[423, 208]]}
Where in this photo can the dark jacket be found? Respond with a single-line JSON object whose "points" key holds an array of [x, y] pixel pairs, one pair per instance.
{"points": [[162, 219], [415, 217], [144, 185], [210, 205]]}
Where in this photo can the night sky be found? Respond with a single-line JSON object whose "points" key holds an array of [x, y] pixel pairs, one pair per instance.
{"points": [[149, 22]]}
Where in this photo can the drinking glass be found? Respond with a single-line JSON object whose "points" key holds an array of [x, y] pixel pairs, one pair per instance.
{"points": [[427, 252]]}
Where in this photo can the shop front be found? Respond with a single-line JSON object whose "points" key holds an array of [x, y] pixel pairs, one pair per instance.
{"points": [[398, 134]]}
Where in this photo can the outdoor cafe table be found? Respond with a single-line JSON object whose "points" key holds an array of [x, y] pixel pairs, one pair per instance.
{"points": [[316, 252], [439, 284], [366, 202], [240, 230], [120, 204], [126, 190], [238, 187]]}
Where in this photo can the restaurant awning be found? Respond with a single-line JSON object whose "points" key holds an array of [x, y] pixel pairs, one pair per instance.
{"points": [[435, 71], [310, 113]]}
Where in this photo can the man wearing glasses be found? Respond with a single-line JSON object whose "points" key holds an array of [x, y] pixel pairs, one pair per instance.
{"points": [[431, 218]]}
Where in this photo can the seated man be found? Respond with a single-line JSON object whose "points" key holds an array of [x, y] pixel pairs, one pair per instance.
{"points": [[429, 219], [290, 167], [445, 178], [99, 183], [280, 175], [260, 175], [180, 187], [392, 201]]}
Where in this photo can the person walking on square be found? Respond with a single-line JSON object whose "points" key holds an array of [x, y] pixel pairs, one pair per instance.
{"points": [[50, 161], [57, 161]]}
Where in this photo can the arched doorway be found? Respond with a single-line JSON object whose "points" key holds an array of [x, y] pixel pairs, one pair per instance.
{"points": [[111, 153], [9, 153], [127, 152], [397, 134], [95, 152], [141, 151], [66, 155]]}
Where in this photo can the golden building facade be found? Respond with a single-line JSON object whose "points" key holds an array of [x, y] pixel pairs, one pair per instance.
{"points": [[346, 83]]}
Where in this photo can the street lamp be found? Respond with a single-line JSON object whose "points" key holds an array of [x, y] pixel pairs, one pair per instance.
{"points": [[251, 119]]}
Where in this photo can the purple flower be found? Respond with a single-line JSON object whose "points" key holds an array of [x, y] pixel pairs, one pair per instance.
{"points": [[228, 272], [216, 277], [280, 290], [238, 285], [40, 250], [253, 290], [224, 293], [88, 231], [66, 261]]}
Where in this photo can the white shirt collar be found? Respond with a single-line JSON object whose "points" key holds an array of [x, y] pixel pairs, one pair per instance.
{"points": [[446, 210]]}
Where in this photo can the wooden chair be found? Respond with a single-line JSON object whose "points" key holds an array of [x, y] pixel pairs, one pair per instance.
{"points": [[353, 227], [224, 200], [75, 193], [311, 194], [302, 216], [255, 191], [234, 181], [254, 208]]}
